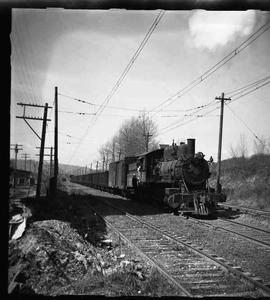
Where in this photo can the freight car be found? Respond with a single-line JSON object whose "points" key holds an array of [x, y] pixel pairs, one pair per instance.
{"points": [[173, 175]]}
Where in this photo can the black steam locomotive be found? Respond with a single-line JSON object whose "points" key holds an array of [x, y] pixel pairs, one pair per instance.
{"points": [[172, 175]]}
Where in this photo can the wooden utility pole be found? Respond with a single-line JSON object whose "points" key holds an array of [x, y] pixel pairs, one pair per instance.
{"points": [[54, 188], [42, 138], [41, 153], [25, 155], [222, 100], [16, 149], [51, 162], [51, 159]]}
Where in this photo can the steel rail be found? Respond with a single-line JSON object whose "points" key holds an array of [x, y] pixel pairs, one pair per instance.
{"points": [[248, 238], [221, 262], [212, 257], [264, 213], [151, 260], [245, 225]]}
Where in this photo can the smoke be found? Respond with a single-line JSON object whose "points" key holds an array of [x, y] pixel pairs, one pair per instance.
{"points": [[210, 29]]}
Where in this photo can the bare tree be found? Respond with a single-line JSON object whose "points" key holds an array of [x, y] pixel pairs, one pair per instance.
{"points": [[135, 136], [242, 146], [233, 151], [240, 150]]}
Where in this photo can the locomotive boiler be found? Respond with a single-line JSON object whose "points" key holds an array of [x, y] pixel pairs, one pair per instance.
{"points": [[178, 177], [188, 174]]}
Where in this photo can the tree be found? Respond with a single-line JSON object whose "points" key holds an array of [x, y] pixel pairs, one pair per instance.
{"points": [[138, 135], [242, 146], [240, 150], [135, 136]]}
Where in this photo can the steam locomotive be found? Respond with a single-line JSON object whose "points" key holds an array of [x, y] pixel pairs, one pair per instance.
{"points": [[173, 176]]}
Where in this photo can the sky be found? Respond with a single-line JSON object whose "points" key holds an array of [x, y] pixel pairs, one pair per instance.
{"points": [[84, 53]]}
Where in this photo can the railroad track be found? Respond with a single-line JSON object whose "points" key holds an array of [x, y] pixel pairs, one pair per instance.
{"points": [[250, 233], [249, 210], [194, 270]]}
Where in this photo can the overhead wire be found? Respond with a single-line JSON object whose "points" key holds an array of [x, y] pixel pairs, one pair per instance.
{"points": [[123, 75], [218, 65], [243, 122], [211, 103], [99, 105], [232, 94], [233, 100], [239, 90]]}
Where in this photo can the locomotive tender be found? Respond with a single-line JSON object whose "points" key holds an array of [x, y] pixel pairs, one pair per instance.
{"points": [[172, 175]]}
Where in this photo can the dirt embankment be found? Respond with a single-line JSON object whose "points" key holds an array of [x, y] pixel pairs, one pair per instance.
{"points": [[246, 181], [67, 249]]}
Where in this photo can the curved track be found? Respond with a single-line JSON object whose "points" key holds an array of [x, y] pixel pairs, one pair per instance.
{"points": [[249, 210], [253, 234], [195, 271]]}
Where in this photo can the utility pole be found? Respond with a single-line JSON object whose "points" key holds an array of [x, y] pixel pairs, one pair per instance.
{"points": [[147, 140], [97, 166], [16, 148], [54, 187], [91, 167], [42, 138], [222, 100], [51, 159], [25, 155], [41, 153], [51, 162]]}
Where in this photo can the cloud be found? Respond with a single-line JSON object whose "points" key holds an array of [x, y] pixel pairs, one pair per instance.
{"points": [[210, 29]]}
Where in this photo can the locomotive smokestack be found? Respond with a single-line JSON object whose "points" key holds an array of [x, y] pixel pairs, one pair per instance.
{"points": [[190, 147]]}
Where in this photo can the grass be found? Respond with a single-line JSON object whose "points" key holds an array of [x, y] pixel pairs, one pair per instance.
{"points": [[246, 180], [122, 284]]}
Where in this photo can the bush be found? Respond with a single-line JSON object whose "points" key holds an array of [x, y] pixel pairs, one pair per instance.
{"points": [[246, 179]]}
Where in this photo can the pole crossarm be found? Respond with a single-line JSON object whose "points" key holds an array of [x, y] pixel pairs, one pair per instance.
{"points": [[33, 105], [25, 118], [31, 118], [45, 147]]}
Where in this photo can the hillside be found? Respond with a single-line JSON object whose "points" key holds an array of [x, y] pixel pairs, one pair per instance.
{"points": [[32, 165], [246, 181]]}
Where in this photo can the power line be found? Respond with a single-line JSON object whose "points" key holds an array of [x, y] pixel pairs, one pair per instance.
{"points": [[125, 108], [184, 123], [243, 123], [218, 65], [249, 92], [123, 75], [211, 103], [246, 87], [188, 121], [99, 105], [138, 51]]}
